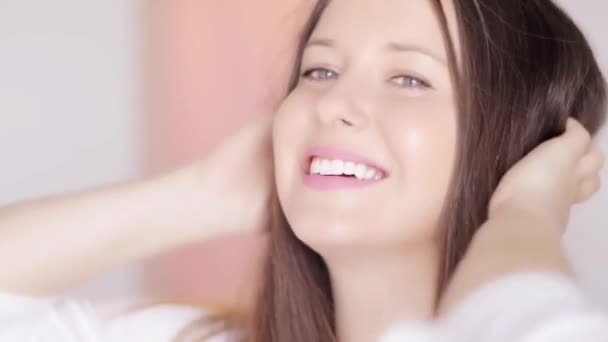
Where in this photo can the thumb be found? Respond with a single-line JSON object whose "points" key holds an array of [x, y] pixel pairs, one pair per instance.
{"points": [[577, 139]]}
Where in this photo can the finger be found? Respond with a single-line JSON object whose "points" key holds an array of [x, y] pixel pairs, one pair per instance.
{"points": [[592, 162], [577, 136], [587, 188]]}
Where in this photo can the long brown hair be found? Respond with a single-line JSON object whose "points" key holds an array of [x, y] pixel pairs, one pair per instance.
{"points": [[524, 68]]}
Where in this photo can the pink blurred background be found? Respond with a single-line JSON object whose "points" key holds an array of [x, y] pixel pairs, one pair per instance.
{"points": [[215, 64], [98, 92]]}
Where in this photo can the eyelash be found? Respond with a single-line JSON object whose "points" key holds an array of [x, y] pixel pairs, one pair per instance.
{"points": [[308, 74], [422, 83]]}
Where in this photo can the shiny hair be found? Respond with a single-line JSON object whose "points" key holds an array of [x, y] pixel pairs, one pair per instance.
{"points": [[523, 70]]}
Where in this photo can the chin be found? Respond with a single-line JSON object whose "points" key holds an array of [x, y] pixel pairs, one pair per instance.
{"points": [[324, 237], [345, 242], [323, 233]]}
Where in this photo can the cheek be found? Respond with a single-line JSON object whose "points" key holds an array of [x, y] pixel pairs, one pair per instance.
{"points": [[422, 138], [289, 132], [291, 117], [426, 148]]}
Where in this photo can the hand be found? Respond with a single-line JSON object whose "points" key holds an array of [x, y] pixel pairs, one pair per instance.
{"points": [[236, 178], [538, 191], [549, 180]]}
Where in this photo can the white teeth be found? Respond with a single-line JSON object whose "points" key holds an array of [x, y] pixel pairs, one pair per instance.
{"points": [[349, 168], [326, 167], [336, 167], [369, 174], [360, 171], [315, 166]]}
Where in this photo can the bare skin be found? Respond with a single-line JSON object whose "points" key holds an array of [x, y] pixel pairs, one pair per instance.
{"points": [[529, 212], [51, 245]]}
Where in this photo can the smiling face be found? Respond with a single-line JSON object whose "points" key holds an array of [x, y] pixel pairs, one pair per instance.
{"points": [[365, 144]]}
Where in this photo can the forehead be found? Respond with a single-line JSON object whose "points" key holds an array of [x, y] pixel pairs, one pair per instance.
{"points": [[359, 24]]}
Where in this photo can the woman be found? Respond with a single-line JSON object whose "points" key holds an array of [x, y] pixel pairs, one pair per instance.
{"points": [[390, 152]]}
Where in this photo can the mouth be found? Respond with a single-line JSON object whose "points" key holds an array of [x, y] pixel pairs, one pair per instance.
{"points": [[331, 168], [322, 166]]}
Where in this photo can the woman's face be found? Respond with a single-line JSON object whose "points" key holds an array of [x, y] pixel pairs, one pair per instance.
{"points": [[364, 146]]}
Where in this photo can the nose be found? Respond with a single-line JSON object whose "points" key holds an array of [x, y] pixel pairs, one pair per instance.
{"points": [[341, 107]]}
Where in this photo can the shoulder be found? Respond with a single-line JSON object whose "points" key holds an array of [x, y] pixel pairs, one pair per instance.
{"points": [[527, 306], [157, 323], [67, 319]]}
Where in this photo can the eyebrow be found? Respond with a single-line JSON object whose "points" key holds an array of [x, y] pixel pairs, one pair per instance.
{"points": [[324, 42], [392, 46], [414, 48]]}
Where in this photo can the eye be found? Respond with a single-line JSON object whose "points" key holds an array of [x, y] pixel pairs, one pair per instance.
{"points": [[319, 74], [410, 82]]}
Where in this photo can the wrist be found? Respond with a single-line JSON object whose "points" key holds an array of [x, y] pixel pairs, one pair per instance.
{"points": [[518, 239], [533, 219], [185, 204]]}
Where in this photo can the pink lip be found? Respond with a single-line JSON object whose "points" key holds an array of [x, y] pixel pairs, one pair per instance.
{"points": [[325, 183]]}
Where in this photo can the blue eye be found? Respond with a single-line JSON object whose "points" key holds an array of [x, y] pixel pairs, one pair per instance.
{"points": [[411, 82], [320, 74]]}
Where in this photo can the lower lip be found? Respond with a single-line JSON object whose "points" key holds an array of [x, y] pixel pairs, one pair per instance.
{"points": [[329, 183]]}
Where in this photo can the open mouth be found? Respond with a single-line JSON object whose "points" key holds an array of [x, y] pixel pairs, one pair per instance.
{"points": [[320, 166]]}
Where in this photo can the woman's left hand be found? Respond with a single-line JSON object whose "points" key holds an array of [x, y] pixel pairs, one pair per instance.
{"points": [[552, 178], [529, 212]]}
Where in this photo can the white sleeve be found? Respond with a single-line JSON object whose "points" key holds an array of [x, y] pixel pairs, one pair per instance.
{"points": [[405, 331], [25, 319], [47, 320], [527, 307]]}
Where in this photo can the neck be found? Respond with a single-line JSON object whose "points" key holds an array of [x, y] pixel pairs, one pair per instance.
{"points": [[374, 290]]}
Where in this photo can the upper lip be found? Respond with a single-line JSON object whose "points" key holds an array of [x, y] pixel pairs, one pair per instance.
{"points": [[339, 153]]}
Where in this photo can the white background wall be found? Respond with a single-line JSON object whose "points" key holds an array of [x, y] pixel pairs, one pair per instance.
{"points": [[68, 96], [69, 113], [587, 240]]}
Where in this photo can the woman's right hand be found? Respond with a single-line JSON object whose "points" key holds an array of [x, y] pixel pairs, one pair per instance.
{"points": [[226, 192], [552, 178], [235, 179]]}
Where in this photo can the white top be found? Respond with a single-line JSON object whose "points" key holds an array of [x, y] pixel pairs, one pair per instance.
{"points": [[532, 307]]}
